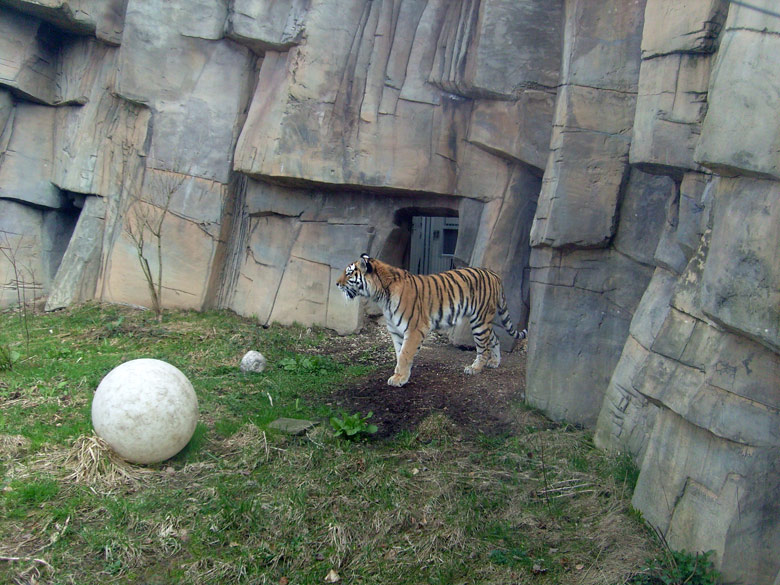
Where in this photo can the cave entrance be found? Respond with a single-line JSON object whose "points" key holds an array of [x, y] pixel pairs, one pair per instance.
{"points": [[62, 223], [432, 244], [423, 240]]}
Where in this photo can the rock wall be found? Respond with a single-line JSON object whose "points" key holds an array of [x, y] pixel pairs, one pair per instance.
{"points": [[617, 162], [695, 394], [290, 136]]}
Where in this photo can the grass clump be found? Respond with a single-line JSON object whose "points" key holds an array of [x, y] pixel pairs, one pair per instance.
{"points": [[679, 568], [246, 504], [24, 496], [8, 357]]}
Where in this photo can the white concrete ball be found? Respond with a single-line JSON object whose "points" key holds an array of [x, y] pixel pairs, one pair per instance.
{"points": [[146, 410]]}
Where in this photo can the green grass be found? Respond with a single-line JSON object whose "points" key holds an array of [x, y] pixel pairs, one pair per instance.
{"points": [[243, 504], [679, 567]]}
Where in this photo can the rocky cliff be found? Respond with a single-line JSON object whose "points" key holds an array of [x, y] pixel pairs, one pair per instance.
{"points": [[618, 162]]}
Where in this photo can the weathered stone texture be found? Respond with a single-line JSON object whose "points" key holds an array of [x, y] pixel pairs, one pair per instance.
{"points": [[270, 240], [6, 109], [188, 257], [27, 165], [603, 41], [706, 495], [588, 161], [98, 145], [685, 392], [594, 293], [717, 389], [32, 243], [670, 107], [741, 131], [642, 215], [688, 217], [741, 280], [267, 25], [499, 48], [682, 26], [102, 18], [397, 111], [20, 249], [519, 129], [719, 393], [29, 56], [168, 61], [697, 376], [627, 416]]}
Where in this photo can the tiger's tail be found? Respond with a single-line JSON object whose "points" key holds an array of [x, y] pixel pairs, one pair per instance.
{"points": [[506, 320]]}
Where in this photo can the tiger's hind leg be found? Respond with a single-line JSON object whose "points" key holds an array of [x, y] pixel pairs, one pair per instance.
{"points": [[483, 339], [495, 351]]}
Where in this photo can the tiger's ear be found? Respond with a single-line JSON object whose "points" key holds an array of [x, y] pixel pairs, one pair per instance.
{"points": [[365, 264]]}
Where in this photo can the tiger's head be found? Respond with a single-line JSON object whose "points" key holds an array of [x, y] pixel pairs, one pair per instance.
{"points": [[355, 280]]}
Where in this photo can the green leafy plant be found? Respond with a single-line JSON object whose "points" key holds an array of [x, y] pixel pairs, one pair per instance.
{"points": [[304, 364], [679, 568], [8, 357], [352, 426]]}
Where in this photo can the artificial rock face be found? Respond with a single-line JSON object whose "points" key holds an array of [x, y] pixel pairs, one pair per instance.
{"points": [[694, 395], [615, 161]]}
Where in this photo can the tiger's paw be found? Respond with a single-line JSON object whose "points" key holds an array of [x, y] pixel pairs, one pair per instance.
{"points": [[477, 365], [397, 380], [494, 361]]}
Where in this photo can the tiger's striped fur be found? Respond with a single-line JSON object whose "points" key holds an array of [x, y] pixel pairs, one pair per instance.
{"points": [[414, 305]]}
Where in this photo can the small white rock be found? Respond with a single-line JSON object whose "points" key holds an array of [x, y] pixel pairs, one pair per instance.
{"points": [[253, 361]]}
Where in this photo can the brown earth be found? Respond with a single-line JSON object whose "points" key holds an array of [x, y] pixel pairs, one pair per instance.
{"points": [[489, 402]]}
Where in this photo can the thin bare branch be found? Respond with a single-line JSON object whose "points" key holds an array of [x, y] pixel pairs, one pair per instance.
{"points": [[149, 217]]}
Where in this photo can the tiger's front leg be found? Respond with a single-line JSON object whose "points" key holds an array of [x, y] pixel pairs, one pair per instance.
{"points": [[398, 342], [403, 367]]}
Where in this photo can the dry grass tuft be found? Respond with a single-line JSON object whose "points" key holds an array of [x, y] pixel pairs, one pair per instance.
{"points": [[248, 437], [12, 446], [33, 573], [207, 571], [245, 449], [92, 462], [437, 427]]}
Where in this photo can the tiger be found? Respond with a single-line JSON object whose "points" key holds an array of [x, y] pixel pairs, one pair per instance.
{"points": [[416, 304]]}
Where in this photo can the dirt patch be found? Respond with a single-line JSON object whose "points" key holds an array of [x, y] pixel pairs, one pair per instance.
{"points": [[487, 403]]}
